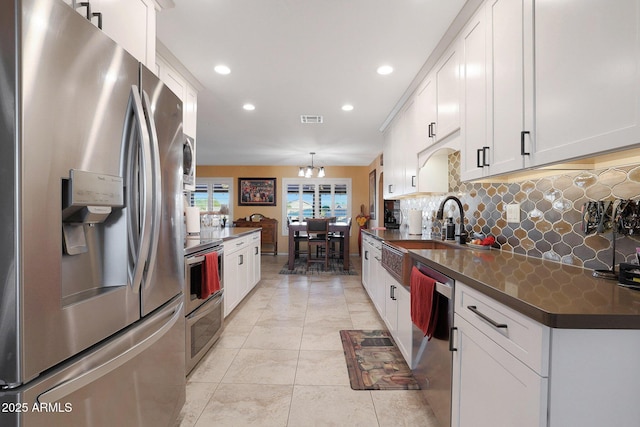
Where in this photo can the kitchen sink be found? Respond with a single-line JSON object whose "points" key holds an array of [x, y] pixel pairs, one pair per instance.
{"points": [[396, 260]]}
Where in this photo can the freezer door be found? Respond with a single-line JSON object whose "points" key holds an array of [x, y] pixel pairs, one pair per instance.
{"points": [[164, 277], [73, 90], [135, 379]]}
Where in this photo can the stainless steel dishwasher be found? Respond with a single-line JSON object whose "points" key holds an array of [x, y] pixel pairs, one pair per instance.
{"points": [[433, 359]]}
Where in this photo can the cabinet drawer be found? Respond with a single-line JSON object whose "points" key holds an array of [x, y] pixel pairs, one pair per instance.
{"points": [[234, 245], [524, 338]]}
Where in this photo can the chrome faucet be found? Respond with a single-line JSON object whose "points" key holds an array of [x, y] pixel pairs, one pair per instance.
{"points": [[462, 236]]}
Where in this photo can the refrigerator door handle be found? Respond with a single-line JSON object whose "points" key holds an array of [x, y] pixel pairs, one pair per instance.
{"points": [[103, 361], [156, 183], [139, 207]]}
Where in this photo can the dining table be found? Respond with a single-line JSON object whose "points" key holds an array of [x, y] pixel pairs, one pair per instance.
{"points": [[334, 227]]}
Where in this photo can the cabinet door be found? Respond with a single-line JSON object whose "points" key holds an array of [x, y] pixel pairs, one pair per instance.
{"points": [[255, 253], [494, 90], [426, 113], [587, 77], [379, 281], [404, 334], [447, 95], [190, 111], [366, 263], [231, 283], [390, 303], [131, 24], [491, 387], [245, 278], [507, 84], [411, 147], [476, 111], [389, 150], [172, 79]]}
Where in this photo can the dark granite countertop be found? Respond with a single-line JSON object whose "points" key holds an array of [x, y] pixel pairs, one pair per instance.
{"points": [[210, 238], [554, 294]]}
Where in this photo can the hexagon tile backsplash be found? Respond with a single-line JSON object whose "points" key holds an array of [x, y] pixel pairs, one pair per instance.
{"points": [[550, 213]]}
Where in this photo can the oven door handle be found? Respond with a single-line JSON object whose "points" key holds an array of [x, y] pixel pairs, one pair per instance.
{"points": [[205, 309], [195, 260]]}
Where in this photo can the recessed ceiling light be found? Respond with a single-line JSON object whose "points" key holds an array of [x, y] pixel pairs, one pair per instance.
{"points": [[347, 107], [249, 107], [385, 69], [222, 69]]}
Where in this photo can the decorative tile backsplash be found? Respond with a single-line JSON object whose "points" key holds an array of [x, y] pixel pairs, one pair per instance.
{"points": [[550, 213]]}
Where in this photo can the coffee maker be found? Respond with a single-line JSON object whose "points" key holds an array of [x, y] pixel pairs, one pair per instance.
{"points": [[392, 215]]}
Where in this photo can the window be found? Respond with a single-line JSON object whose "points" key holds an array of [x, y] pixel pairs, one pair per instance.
{"points": [[315, 198], [213, 195]]}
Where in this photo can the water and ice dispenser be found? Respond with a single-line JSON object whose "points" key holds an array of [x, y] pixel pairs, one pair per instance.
{"points": [[87, 198]]}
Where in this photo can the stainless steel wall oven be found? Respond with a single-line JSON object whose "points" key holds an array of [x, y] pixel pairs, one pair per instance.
{"points": [[204, 314]]}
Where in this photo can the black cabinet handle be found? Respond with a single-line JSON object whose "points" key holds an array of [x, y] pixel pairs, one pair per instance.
{"points": [[485, 156], [451, 347], [522, 134], [88, 6], [486, 318], [413, 180], [366, 255], [479, 154], [390, 188], [432, 131], [99, 15]]}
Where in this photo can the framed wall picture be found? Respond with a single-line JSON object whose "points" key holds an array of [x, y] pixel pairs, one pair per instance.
{"points": [[256, 191], [372, 194]]}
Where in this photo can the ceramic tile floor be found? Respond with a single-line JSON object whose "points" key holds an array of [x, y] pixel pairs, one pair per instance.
{"points": [[280, 362]]}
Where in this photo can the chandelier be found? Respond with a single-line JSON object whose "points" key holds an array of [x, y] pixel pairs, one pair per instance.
{"points": [[307, 171]]}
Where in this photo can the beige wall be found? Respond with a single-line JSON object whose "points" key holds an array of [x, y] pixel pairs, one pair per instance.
{"points": [[359, 184]]}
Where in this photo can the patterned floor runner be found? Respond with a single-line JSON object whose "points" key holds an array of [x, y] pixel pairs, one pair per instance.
{"points": [[374, 362]]}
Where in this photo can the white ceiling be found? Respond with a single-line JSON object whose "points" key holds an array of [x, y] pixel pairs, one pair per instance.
{"points": [[293, 57]]}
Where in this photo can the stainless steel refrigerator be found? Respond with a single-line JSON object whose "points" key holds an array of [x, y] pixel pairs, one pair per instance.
{"points": [[91, 270]]}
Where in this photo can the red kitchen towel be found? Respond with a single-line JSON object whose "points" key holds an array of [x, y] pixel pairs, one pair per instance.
{"points": [[210, 278], [423, 312]]}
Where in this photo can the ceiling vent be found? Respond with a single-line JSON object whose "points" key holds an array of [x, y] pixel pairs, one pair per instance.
{"points": [[305, 118]]}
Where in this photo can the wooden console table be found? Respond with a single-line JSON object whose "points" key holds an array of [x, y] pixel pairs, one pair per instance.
{"points": [[269, 232]]}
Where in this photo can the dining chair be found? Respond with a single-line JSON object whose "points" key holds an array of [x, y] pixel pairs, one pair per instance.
{"points": [[297, 238], [318, 240], [338, 238]]}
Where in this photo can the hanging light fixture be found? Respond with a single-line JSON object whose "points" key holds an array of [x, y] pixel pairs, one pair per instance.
{"points": [[307, 171]]}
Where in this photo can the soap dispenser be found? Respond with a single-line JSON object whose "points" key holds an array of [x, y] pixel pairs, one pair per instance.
{"points": [[451, 229]]}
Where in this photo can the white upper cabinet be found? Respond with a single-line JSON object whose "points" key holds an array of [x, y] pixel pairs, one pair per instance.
{"points": [[130, 23], [587, 78], [447, 75], [493, 68], [426, 113], [410, 149], [190, 111], [475, 103], [179, 84], [510, 96]]}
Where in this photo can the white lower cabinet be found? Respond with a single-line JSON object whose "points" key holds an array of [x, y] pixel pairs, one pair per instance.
{"points": [[509, 370], [492, 388], [240, 269], [367, 260], [255, 252], [397, 314], [404, 332]]}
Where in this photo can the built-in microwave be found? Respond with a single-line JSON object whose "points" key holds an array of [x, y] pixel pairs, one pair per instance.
{"points": [[189, 163]]}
